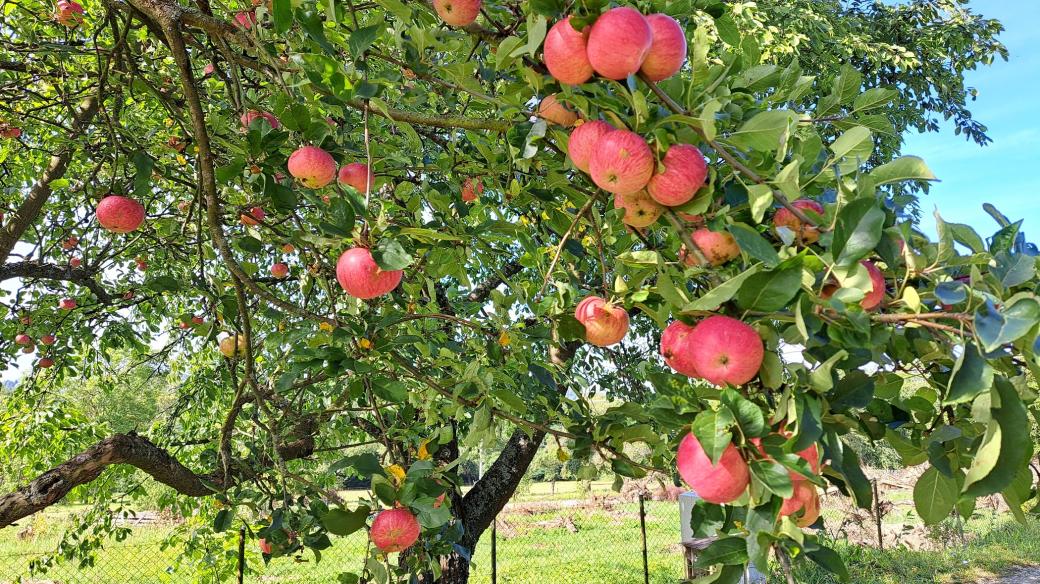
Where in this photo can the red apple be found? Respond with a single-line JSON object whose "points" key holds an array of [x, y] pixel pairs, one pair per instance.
{"points": [[75, 262], [70, 243], [394, 530], [472, 188], [265, 546], [565, 53], [605, 323], [47, 340], [583, 140], [279, 270], [357, 175], [457, 12], [684, 172], [621, 162], [184, 325], [209, 69], [67, 303], [718, 247], [313, 166], [640, 209], [253, 216], [724, 350], [676, 348], [68, 13], [142, 265], [120, 214], [46, 363], [245, 19], [251, 115], [805, 234], [360, 277], [619, 42], [197, 320], [721, 483], [554, 111], [805, 499], [23, 339], [10, 132], [872, 299], [667, 50], [288, 248]]}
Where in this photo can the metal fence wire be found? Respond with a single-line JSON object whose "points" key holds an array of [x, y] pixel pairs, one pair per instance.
{"points": [[597, 539]]}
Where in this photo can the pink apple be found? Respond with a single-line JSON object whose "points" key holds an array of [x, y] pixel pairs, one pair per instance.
{"points": [[253, 216], [67, 303], [75, 262], [23, 339], [357, 175], [872, 299], [621, 162], [718, 247], [805, 499], [265, 546], [684, 172], [554, 111], [47, 340], [667, 50], [720, 483], [68, 13], [457, 12], [804, 234], [120, 214], [251, 115], [360, 276], [245, 19], [313, 166], [279, 270], [640, 209], [725, 351], [394, 530], [209, 69], [46, 363], [619, 42], [605, 323], [676, 348], [565, 53], [583, 140]]}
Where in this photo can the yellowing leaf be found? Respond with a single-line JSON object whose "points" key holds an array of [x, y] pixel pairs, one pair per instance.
{"points": [[423, 453], [396, 473], [504, 340], [364, 343]]}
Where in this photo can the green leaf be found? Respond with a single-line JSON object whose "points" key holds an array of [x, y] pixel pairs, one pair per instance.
{"points": [[857, 231], [282, 14], [900, 169], [1014, 269], [1012, 437], [363, 38], [763, 131], [223, 520], [363, 465], [829, 560], [342, 522], [711, 428], [725, 551], [875, 97], [822, 378], [752, 243], [721, 293], [966, 236], [749, 416], [995, 328], [772, 290], [971, 376], [143, 174], [855, 390], [760, 198], [854, 140], [390, 255], [935, 494], [773, 476]]}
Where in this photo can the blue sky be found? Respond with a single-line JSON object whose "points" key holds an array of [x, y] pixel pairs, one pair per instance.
{"points": [[1007, 172]]}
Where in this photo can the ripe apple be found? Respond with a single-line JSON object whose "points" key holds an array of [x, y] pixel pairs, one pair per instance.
{"points": [[805, 499], [810, 454], [208, 70], [724, 350], [675, 348], [667, 50], [565, 53], [75, 262], [197, 320], [394, 530], [245, 19], [619, 42], [233, 345], [472, 188], [47, 340], [69, 13], [621, 162], [23, 339], [583, 140], [457, 12], [253, 216], [605, 323], [119, 214], [721, 483], [357, 175], [805, 234], [184, 325], [26, 320], [684, 172], [265, 546], [313, 166], [554, 111], [360, 277], [640, 209], [10, 132], [718, 247], [251, 115], [70, 243], [142, 265], [67, 303], [288, 248], [46, 363], [279, 270], [872, 299]]}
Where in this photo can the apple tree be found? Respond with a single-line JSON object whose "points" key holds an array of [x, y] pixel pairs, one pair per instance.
{"points": [[332, 225]]}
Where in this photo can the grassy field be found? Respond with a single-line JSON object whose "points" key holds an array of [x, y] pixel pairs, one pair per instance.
{"points": [[539, 543]]}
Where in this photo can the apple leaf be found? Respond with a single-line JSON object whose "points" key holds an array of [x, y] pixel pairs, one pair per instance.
{"points": [[857, 231], [711, 428], [390, 255], [342, 522], [935, 494]]}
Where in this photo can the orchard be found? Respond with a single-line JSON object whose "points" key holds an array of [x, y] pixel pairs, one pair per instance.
{"points": [[421, 225]]}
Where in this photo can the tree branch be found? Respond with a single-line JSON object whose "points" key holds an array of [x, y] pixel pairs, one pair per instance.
{"points": [[80, 276]]}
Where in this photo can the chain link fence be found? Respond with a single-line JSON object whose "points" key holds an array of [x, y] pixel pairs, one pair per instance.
{"points": [[604, 539]]}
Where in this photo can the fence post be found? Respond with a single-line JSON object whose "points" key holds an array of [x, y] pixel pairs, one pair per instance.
{"points": [[642, 528], [241, 554], [877, 516], [494, 551]]}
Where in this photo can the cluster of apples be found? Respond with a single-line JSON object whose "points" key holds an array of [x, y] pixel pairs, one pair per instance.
{"points": [[727, 480], [28, 344]]}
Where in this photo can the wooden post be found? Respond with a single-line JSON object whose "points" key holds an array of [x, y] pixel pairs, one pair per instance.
{"points": [[877, 516], [494, 551], [241, 554], [642, 528]]}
